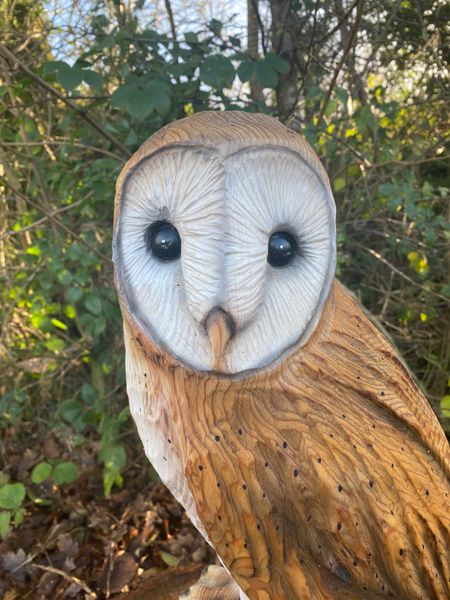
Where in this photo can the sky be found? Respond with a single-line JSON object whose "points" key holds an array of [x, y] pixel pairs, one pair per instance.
{"points": [[69, 19]]}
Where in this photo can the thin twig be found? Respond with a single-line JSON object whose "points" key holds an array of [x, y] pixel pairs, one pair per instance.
{"points": [[65, 143], [339, 24], [409, 163], [80, 111], [261, 26], [12, 232], [56, 221], [340, 64], [84, 586], [378, 256], [171, 19]]}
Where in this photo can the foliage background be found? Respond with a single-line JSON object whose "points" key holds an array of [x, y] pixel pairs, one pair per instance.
{"points": [[84, 84]]}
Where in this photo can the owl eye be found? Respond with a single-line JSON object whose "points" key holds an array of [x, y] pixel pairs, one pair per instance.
{"points": [[163, 240], [282, 249]]}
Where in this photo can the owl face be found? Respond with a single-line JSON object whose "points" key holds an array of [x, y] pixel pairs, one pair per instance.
{"points": [[225, 252]]}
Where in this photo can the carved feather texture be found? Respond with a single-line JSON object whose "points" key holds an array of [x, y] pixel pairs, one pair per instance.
{"points": [[325, 478], [214, 584], [225, 213], [172, 299], [269, 190]]}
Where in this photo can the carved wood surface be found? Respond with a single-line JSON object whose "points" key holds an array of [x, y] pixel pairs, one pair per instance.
{"points": [[326, 477], [225, 132]]}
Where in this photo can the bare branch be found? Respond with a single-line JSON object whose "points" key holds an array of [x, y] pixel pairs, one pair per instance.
{"points": [[340, 64], [261, 25], [65, 143], [393, 268], [171, 19], [43, 219], [80, 111], [56, 221]]}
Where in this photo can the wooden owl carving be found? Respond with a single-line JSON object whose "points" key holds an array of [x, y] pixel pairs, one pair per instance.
{"points": [[275, 412]]}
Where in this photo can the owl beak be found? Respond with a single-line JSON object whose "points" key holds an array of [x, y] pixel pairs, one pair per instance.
{"points": [[220, 328]]}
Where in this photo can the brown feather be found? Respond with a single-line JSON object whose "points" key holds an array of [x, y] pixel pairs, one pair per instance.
{"points": [[214, 584], [325, 477]]}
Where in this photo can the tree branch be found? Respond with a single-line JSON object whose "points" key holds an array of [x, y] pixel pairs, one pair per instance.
{"points": [[339, 66], [393, 268], [12, 232], [261, 26], [11, 57], [56, 221], [171, 19], [64, 143]]}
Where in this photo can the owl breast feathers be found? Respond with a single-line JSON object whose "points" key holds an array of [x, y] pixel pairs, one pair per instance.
{"points": [[275, 412]]}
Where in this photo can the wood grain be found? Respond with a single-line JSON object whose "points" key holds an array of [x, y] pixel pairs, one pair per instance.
{"points": [[214, 584], [226, 132], [325, 477]]}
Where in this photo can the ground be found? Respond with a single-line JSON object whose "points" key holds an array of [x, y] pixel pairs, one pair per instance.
{"points": [[82, 545]]}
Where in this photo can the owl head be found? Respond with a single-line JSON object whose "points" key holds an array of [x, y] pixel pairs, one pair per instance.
{"points": [[224, 242]]}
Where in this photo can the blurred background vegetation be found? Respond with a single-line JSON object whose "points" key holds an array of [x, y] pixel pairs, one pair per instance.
{"points": [[84, 83]]}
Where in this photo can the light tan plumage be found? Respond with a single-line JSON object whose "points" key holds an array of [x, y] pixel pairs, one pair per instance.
{"points": [[323, 476]]}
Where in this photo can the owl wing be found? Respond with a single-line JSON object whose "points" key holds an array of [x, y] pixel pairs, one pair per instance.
{"points": [[327, 477]]}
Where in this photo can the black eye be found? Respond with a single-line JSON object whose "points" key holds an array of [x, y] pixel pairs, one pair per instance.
{"points": [[163, 240], [282, 249]]}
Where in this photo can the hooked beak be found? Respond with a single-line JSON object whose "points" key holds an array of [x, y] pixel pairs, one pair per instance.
{"points": [[220, 328]]}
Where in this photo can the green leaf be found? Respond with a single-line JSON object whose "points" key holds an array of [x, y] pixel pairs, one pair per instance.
{"points": [[161, 101], [266, 76], [41, 472], [341, 95], [12, 496], [34, 250], [74, 294], [89, 393], [366, 120], [217, 71], [169, 559], [69, 77], [280, 65], [65, 472], [110, 478], [216, 26], [18, 516], [5, 519], [191, 37], [140, 105], [93, 304], [331, 107], [444, 405], [122, 94], [98, 326], [70, 311], [114, 457], [53, 66], [246, 70], [93, 79], [71, 410], [59, 324], [65, 277], [339, 184], [446, 290]]}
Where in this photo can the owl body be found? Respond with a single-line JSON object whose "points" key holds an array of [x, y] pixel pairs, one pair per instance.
{"points": [[313, 465]]}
